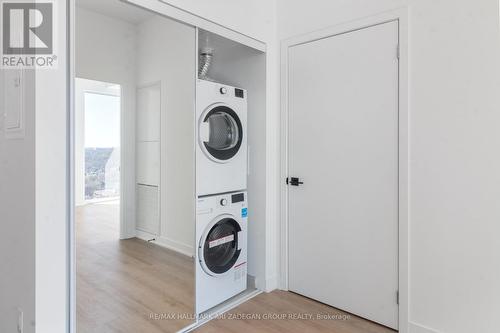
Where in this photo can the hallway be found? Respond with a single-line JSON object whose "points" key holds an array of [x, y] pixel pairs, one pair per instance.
{"points": [[121, 283]]}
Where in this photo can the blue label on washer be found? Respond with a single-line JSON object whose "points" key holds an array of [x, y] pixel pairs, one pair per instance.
{"points": [[244, 212]]}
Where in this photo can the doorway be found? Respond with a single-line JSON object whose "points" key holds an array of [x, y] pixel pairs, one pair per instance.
{"points": [[97, 148], [345, 200]]}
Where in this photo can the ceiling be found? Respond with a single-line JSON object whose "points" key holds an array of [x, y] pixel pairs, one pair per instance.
{"points": [[116, 9]]}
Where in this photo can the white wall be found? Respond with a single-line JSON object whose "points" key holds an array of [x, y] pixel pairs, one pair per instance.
{"points": [[105, 51], [253, 18], [80, 141], [166, 53], [454, 144], [17, 217], [51, 188]]}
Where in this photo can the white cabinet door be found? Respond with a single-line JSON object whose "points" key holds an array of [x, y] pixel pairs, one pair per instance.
{"points": [[148, 134], [148, 113], [148, 157], [148, 163], [343, 145], [148, 209]]}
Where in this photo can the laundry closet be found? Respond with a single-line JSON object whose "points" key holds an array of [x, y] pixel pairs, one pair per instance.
{"points": [[231, 89], [193, 164], [228, 175], [176, 110]]}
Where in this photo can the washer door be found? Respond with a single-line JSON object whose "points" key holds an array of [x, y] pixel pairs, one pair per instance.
{"points": [[218, 249], [221, 133]]}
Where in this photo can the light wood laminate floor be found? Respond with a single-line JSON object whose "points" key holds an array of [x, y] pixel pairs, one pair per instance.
{"points": [[264, 312], [120, 283]]}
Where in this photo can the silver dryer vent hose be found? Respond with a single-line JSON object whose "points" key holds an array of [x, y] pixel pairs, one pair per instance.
{"points": [[205, 61]]}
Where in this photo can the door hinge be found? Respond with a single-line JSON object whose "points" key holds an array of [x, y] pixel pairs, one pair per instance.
{"points": [[397, 297], [398, 51]]}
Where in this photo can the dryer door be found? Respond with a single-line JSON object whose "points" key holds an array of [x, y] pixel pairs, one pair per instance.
{"points": [[219, 247], [220, 133]]}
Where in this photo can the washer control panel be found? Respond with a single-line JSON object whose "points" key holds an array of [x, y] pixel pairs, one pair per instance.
{"points": [[218, 203], [231, 199], [238, 197]]}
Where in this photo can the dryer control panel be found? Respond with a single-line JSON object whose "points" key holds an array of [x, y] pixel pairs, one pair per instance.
{"points": [[229, 91]]}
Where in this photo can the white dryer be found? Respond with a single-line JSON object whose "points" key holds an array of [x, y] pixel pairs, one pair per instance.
{"points": [[221, 149], [221, 248]]}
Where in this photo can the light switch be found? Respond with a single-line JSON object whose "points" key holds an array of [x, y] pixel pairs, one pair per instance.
{"points": [[13, 102]]}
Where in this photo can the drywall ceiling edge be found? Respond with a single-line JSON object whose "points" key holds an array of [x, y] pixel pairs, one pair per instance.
{"points": [[186, 17]]}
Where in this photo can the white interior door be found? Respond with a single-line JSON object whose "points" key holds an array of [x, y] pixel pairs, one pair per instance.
{"points": [[343, 145]]}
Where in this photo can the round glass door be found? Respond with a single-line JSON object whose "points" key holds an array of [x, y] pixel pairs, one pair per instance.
{"points": [[225, 133], [220, 246]]}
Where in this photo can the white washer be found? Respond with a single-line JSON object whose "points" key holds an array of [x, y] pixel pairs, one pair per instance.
{"points": [[221, 149], [221, 248]]}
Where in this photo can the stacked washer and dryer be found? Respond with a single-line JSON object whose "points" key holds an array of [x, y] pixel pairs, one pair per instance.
{"points": [[221, 182]]}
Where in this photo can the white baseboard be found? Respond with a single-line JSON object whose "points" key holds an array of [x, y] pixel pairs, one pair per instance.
{"points": [[128, 235], [175, 246], [417, 328], [271, 284], [144, 235], [166, 243]]}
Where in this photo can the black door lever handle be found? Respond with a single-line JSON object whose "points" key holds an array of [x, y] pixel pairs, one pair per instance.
{"points": [[294, 181]]}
